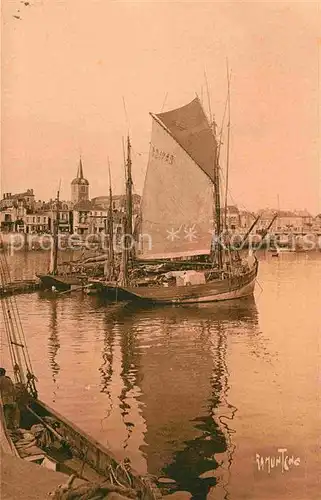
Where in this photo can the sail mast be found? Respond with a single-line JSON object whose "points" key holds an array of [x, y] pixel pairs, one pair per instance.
{"points": [[127, 237], [54, 247], [228, 143], [217, 195], [129, 189], [217, 202], [110, 229]]}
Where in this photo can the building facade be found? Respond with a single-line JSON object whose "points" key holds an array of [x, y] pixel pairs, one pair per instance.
{"points": [[119, 202], [26, 199]]}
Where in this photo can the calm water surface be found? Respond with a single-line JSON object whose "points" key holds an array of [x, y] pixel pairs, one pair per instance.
{"points": [[191, 393]]}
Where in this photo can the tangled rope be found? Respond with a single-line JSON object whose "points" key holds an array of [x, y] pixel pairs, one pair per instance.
{"points": [[90, 491]]}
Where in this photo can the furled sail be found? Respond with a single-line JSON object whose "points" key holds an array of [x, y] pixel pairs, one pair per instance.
{"points": [[177, 203]]}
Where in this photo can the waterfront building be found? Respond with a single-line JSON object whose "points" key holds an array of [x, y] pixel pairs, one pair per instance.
{"points": [[65, 216], [306, 220], [9, 220], [26, 199], [91, 218], [246, 220], [119, 202], [287, 221], [36, 222], [81, 217]]}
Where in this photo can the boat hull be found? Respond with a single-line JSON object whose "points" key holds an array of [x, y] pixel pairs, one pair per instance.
{"points": [[79, 455], [60, 282], [214, 291]]}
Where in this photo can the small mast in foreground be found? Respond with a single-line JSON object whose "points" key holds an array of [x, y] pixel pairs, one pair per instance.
{"points": [[110, 232], [53, 268], [127, 252]]}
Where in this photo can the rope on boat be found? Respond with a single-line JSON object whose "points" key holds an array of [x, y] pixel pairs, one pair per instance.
{"points": [[90, 491], [18, 351]]}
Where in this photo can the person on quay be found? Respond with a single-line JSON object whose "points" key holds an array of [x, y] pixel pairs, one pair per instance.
{"points": [[9, 400]]}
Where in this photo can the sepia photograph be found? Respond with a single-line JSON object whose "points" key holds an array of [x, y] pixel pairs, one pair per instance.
{"points": [[160, 250]]}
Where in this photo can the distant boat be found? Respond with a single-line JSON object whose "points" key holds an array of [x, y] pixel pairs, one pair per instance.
{"points": [[179, 256], [54, 280], [61, 282]]}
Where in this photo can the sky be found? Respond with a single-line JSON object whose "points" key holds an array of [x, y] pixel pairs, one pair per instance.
{"points": [[78, 75]]}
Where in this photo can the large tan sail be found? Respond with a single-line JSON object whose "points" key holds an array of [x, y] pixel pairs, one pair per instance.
{"points": [[177, 203]]}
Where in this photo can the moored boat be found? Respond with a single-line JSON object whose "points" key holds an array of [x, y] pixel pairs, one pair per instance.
{"points": [[181, 228], [48, 439], [62, 282]]}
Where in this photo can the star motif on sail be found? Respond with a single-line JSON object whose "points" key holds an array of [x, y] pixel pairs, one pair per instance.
{"points": [[190, 233], [173, 234]]}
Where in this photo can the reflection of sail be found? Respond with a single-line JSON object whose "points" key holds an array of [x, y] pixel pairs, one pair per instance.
{"points": [[174, 377], [196, 467], [53, 341], [211, 471], [185, 385]]}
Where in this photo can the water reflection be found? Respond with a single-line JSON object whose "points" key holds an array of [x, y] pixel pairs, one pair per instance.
{"points": [[53, 341], [206, 460], [120, 375], [180, 367], [130, 370], [167, 371]]}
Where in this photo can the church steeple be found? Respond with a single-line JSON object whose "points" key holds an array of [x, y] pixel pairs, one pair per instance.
{"points": [[79, 186], [80, 173]]}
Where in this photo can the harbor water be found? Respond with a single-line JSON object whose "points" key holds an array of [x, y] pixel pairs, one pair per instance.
{"points": [[224, 398]]}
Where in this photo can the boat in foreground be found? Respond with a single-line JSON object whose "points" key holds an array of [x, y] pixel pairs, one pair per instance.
{"points": [[50, 440]]}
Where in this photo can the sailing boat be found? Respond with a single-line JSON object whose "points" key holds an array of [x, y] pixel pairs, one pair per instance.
{"points": [[55, 280], [179, 254], [45, 437]]}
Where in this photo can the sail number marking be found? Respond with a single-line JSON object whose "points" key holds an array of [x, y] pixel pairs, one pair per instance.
{"points": [[159, 154]]}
